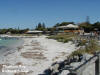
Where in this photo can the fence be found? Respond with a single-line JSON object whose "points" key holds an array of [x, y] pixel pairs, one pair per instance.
{"points": [[79, 70]]}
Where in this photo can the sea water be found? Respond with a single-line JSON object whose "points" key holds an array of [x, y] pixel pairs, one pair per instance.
{"points": [[9, 43]]}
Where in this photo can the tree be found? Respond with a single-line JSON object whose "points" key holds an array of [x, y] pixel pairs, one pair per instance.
{"points": [[86, 26], [56, 25], [66, 23], [43, 25], [13, 31], [96, 25], [63, 24], [40, 27]]}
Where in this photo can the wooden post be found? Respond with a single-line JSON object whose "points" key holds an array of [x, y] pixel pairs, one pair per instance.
{"points": [[97, 66]]}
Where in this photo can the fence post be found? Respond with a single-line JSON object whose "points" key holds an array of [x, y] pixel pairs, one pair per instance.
{"points": [[97, 66]]}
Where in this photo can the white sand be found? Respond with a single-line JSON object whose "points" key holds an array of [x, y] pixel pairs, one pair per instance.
{"points": [[51, 49]]}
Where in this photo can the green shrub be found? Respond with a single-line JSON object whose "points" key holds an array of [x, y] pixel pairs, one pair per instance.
{"points": [[91, 48], [62, 37], [60, 40], [82, 43], [66, 40], [77, 52]]}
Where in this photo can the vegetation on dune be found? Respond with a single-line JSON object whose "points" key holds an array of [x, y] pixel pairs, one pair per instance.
{"points": [[91, 47], [82, 42], [62, 37], [86, 46]]}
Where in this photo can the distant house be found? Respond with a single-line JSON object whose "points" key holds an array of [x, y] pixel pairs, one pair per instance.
{"points": [[34, 32], [68, 28]]}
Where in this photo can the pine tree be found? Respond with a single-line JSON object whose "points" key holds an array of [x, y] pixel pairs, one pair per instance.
{"points": [[43, 25]]}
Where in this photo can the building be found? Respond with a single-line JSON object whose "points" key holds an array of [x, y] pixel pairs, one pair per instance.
{"points": [[68, 28], [35, 32]]}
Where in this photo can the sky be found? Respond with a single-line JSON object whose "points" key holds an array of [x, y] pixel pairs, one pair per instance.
{"points": [[28, 13]]}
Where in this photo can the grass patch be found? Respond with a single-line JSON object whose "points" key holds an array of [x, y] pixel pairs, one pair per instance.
{"points": [[90, 45], [82, 42], [90, 48], [62, 37]]}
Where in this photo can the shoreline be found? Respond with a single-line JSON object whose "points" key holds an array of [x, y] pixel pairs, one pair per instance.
{"points": [[37, 52]]}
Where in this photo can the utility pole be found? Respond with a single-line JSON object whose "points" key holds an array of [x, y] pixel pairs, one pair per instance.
{"points": [[88, 19]]}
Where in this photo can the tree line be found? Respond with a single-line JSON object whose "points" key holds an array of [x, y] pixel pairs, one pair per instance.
{"points": [[13, 31], [87, 26]]}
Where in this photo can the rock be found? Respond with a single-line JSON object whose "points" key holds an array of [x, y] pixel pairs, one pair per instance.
{"points": [[75, 64], [86, 56], [54, 68], [66, 67], [80, 58], [75, 58], [48, 71], [65, 72], [66, 62], [61, 65]]}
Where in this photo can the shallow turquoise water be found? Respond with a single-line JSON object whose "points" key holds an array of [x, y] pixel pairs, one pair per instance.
{"points": [[9, 45], [7, 41], [10, 42]]}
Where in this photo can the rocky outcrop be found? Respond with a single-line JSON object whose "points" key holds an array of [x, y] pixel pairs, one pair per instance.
{"points": [[65, 67]]}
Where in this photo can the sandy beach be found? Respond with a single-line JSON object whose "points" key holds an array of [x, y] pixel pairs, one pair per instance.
{"points": [[37, 54]]}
